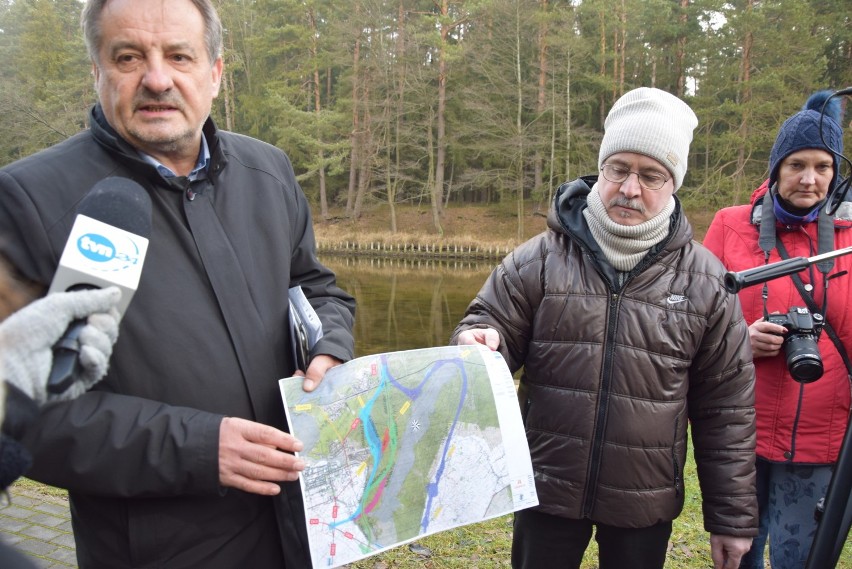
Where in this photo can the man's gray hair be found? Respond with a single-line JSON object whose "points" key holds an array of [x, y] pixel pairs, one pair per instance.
{"points": [[90, 20]]}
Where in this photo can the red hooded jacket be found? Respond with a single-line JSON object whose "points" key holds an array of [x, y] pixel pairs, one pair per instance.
{"points": [[801, 423]]}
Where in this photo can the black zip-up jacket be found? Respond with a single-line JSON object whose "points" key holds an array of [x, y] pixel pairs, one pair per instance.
{"points": [[206, 336], [613, 375]]}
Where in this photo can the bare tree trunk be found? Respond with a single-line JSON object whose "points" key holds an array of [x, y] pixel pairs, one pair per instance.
{"points": [[317, 109], [519, 126], [390, 181], [450, 186], [430, 148], [552, 177], [542, 93], [654, 70], [353, 169], [365, 154], [323, 192], [567, 120], [680, 54], [228, 89], [400, 99], [354, 153], [364, 179], [616, 61], [602, 99], [623, 48], [745, 104], [246, 55], [438, 183]]}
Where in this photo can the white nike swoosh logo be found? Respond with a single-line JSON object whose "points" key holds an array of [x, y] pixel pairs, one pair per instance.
{"points": [[675, 300]]}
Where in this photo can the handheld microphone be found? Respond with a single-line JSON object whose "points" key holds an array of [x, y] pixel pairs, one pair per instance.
{"points": [[106, 247]]}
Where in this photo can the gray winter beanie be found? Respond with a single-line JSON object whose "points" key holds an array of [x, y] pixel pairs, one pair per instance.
{"points": [[651, 122], [801, 132]]}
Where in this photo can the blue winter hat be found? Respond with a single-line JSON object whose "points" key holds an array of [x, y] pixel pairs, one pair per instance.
{"points": [[801, 131]]}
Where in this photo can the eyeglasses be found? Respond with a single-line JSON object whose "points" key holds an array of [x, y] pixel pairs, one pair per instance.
{"points": [[619, 174]]}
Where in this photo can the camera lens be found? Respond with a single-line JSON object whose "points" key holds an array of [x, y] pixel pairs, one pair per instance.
{"points": [[803, 359]]}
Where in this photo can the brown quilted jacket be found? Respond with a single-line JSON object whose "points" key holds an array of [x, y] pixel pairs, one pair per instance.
{"points": [[613, 375]]}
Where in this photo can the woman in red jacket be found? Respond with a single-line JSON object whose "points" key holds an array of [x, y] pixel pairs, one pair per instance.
{"points": [[800, 422]]}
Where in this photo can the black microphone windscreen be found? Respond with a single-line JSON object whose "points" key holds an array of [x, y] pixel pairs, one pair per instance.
{"points": [[119, 202]]}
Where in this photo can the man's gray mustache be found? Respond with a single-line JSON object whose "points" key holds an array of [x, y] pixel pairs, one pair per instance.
{"points": [[621, 201]]}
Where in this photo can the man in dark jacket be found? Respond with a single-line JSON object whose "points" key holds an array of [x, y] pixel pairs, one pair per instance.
{"points": [[180, 456], [626, 336]]}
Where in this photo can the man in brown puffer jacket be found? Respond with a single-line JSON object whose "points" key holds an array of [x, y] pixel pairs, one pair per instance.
{"points": [[626, 334]]}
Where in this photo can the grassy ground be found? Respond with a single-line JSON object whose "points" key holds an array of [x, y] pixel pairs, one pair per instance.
{"points": [[32, 487]]}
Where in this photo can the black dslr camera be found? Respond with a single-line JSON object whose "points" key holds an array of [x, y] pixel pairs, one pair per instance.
{"points": [[800, 342]]}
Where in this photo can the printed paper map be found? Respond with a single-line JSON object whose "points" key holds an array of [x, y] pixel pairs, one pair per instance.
{"points": [[405, 444]]}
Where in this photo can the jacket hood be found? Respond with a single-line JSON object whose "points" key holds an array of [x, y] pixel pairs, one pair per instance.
{"points": [[568, 204]]}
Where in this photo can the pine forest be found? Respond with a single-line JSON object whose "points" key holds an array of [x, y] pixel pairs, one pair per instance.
{"points": [[463, 101]]}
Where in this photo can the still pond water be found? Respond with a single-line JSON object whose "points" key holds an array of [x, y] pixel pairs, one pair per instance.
{"points": [[405, 304]]}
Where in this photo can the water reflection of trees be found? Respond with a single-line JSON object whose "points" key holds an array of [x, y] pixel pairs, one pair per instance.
{"points": [[404, 304]]}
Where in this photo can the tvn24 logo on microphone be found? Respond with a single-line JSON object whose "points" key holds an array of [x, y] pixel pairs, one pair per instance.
{"points": [[106, 255], [101, 255]]}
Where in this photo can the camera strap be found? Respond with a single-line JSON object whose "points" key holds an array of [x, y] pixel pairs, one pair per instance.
{"points": [[812, 306]]}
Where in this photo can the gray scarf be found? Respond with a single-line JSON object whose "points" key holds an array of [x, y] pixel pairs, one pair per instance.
{"points": [[625, 245]]}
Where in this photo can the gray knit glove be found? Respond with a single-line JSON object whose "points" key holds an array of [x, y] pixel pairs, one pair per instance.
{"points": [[28, 335]]}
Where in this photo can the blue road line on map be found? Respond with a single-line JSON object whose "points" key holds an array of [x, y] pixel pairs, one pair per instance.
{"points": [[432, 488]]}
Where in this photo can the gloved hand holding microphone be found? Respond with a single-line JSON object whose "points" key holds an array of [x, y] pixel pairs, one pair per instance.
{"points": [[27, 338]]}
